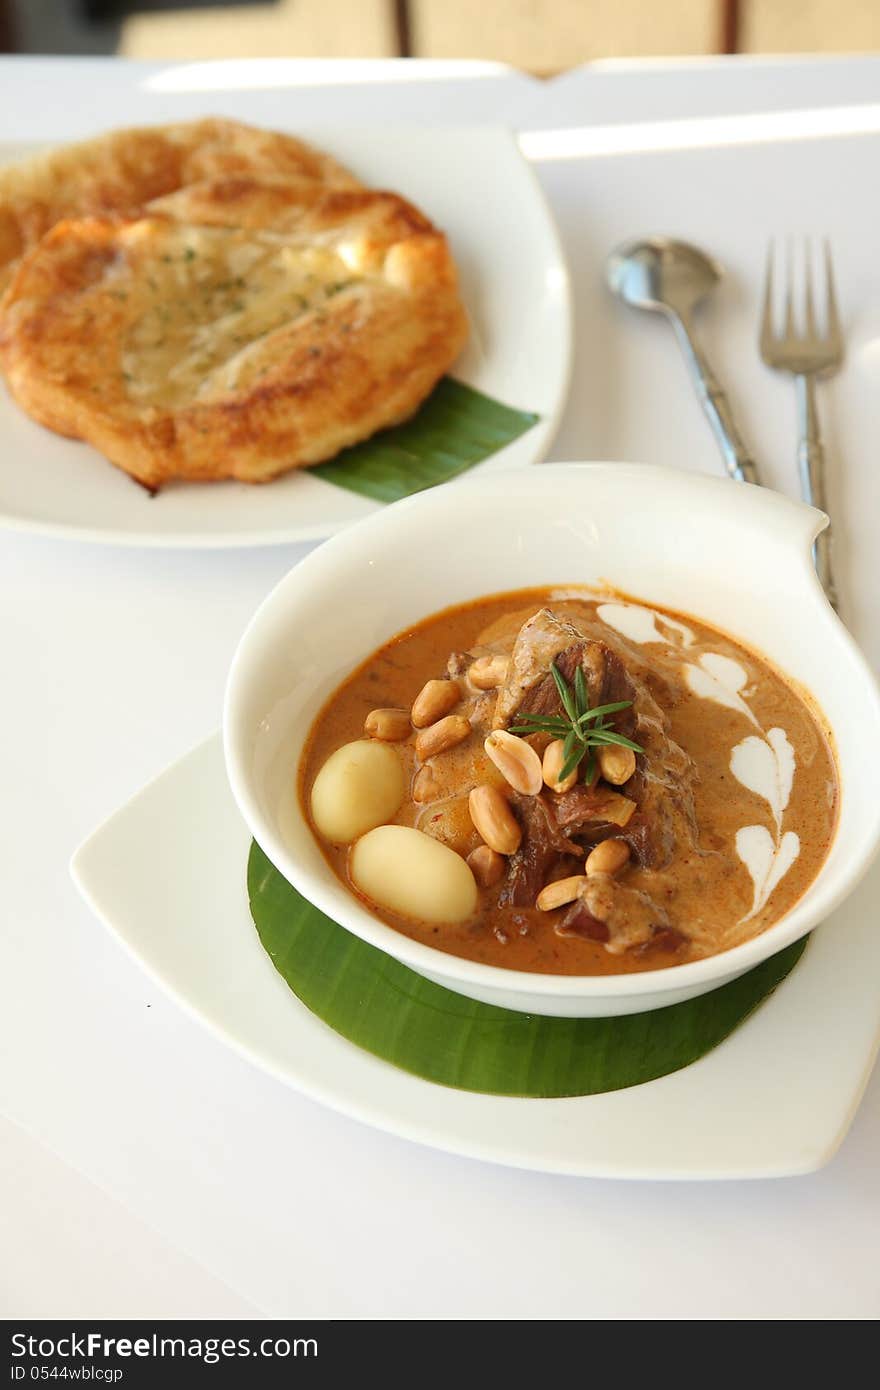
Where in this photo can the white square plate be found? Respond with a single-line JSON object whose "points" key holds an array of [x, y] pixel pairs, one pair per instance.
{"points": [[478, 188], [167, 875]]}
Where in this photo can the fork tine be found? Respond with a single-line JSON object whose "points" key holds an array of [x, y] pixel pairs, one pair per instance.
{"points": [[809, 314], [831, 316], [767, 312], [809, 340], [789, 296]]}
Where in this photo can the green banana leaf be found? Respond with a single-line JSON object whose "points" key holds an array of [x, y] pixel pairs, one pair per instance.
{"points": [[454, 429], [389, 1010]]}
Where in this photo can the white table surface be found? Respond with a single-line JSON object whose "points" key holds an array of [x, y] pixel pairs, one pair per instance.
{"points": [[146, 1170]]}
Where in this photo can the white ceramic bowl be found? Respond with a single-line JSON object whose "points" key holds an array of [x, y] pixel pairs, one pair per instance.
{"points": [[733, 555]]}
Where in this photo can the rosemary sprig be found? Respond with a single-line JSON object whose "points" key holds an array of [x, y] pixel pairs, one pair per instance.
{"points": [[581, 728]]}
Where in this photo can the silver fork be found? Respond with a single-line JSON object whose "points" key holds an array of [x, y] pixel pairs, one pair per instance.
{"points": [[807, 355]]}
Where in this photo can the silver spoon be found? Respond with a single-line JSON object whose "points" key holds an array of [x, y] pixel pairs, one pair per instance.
{"points": [[671, 277]]}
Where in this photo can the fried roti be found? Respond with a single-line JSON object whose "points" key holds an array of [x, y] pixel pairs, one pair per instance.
{"points": [[249, 324], [119, 173]]}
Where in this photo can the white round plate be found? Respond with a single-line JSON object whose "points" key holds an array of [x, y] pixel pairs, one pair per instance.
{"points": [[775, 1099], [474, 184]]}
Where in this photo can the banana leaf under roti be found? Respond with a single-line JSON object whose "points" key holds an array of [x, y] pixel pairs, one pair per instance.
{"points": [[454, 429]]}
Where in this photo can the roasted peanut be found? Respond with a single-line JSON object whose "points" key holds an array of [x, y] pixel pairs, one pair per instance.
{"points": [[446, 733], [389, 725], [609, 857], [493, 819], [616, 763], [435, 699], [564, 890], [516, 760], [552, 764], [488, 672], [425, 786], [486, 865]]}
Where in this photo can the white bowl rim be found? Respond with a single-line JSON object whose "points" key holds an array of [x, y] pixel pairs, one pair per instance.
{"points": [[818, 900]]}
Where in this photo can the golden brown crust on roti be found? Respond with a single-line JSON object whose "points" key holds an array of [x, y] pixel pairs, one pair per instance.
{"points": [[210, 301], [210, 351], [119, 173]]}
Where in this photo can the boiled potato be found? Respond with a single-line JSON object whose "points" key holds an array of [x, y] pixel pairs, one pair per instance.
{"points": [[360, 786], [408, 872]]}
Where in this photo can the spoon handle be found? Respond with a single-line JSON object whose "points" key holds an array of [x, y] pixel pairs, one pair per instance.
{"points": [[737, 459]]}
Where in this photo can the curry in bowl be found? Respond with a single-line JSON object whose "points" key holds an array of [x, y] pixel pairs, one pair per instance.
{"points": [[571, 783]]}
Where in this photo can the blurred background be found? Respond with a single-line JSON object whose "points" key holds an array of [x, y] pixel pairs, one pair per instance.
{"points": [[541, 36]]}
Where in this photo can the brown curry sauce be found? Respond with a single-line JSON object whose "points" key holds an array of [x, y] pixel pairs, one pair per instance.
{"points": [[705, 891]]}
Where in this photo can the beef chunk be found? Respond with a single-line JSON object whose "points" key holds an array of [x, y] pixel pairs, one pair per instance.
{"points": [[579, 921], [538, 642], [543, 845], [607, 682], [653, 812], [593, 812], [651, 834], [666, 939], [628, 916], [661, 786]]}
